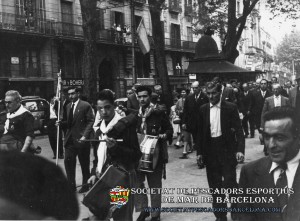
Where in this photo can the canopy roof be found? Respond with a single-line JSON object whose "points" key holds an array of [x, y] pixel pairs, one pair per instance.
{"points": [[208, 60]]}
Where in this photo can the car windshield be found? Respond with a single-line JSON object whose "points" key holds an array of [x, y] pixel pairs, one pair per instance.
{"points": [[35, 105]]}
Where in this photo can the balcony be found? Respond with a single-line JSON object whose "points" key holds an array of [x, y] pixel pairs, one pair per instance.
{"points": [[179, 45]]}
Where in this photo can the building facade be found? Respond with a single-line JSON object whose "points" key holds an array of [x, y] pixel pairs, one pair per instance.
{"points": [[41, 37]]}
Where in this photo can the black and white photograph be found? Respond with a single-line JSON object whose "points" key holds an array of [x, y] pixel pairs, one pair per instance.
{"points": [[150, 110]]}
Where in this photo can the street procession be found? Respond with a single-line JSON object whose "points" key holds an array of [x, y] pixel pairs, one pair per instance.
{"points": [[150, 110]]}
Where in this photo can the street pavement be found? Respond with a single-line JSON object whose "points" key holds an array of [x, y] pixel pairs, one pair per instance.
{"points": [[181, 173]]}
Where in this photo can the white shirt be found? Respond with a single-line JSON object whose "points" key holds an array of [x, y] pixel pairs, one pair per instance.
{"points": [[277, 101], [263, 93], [197, 96], [52, 112], [75, 105], [292, 166], [246, 93], [215, 120]]}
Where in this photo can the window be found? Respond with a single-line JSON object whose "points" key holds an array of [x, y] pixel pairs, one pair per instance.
{"points": [[189, 33]]}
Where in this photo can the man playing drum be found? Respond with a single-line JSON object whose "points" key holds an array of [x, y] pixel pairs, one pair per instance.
{"points": [[121, 149], [153, 122]]}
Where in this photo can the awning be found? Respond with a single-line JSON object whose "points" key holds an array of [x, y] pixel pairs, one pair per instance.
{"points": [[214, 66]]}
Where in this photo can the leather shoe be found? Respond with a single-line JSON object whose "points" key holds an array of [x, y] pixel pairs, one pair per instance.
{"points": [[61, 156], [223, 218], [157, 218], [184, 156], [84, 189], [143, 215]]}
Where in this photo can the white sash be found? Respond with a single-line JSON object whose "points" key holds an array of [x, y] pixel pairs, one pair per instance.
{"points": [[102, 149], [20, 111]]}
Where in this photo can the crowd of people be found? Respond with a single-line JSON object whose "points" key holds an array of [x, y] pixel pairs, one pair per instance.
{"points": [[212, 120]]}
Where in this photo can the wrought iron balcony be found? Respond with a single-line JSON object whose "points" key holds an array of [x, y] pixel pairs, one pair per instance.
{"points": [[179, 45]]}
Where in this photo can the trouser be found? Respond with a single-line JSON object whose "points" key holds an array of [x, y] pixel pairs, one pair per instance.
{"points": [[83, 153], [95, 146], [257, 121], [52, 134], [154, 181], [245, 121], [221, 172]]}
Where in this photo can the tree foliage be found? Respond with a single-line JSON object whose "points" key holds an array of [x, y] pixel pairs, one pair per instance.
{"points": [[287, 51], [221, 15]]}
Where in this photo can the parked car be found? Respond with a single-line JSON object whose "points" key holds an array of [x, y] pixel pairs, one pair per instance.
{"points": [[39, 108]]}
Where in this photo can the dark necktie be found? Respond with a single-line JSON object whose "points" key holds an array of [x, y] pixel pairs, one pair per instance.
{"points": [[282, 184], [71, 115]]}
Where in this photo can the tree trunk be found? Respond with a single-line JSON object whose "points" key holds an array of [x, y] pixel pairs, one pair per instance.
{"points": [[159, 46], [90, 26]]}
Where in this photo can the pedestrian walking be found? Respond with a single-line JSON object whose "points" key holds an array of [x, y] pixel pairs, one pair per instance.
{"points": [[153, 122], [78, 121], [220, 143]]}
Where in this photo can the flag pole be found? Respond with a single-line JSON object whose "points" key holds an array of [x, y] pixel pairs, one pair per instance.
{"points": [[58, 91], [134, 77]]}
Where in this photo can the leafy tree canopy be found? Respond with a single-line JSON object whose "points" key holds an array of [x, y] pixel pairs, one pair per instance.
{"points": [[287, 51]]}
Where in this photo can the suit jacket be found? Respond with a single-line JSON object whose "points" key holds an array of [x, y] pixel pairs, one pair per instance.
{"points": [[244, 102], [257, 174], [82, 124], [191, 110], [270, 104], [292, 96], [133, 103], [231, 127], [257, 102], [228, 95], [283, 92]]}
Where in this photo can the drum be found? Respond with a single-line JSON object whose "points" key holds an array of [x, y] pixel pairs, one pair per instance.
{"points": [[150, 153], [98, 199]]}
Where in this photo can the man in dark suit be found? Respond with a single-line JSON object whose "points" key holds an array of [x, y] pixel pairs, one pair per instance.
{"points": [[257, 102], [244, 104], [220, 143], [295, 97], [192, 105], [227, 94], [132, 102], [78, 120], [277, 171]]}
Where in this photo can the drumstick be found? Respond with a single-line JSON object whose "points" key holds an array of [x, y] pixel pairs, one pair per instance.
{"points": [[95, 140]]}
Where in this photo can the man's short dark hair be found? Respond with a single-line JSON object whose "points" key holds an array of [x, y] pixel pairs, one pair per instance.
{"points": [[278, 113], [214, 84], [144, 88], [73, 87], [107, 94], [217, 80]]}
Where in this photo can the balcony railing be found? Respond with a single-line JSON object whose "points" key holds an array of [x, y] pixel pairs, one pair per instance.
{"points": [[21, 24], [177, 44]]}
